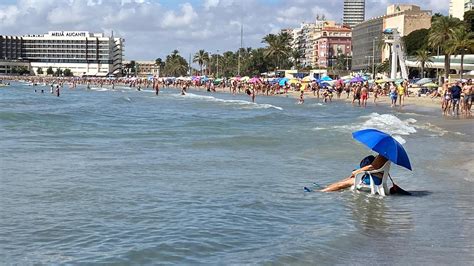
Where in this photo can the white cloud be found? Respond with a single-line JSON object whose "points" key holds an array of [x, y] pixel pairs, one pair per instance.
{"points": [[153, 30], [172, 20], [208, 4]]}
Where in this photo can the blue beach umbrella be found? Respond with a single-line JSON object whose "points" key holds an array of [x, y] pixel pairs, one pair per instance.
{"points": [[385, 145], [283, 81], [326, 78]]}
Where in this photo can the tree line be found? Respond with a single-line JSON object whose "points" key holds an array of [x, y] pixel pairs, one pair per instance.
{"points": [[447, 36]]}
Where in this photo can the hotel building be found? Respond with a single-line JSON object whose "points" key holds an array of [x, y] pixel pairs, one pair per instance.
{"points": [[333, 42], [367, 35], [84, 53], [354, 12], [457, 8]]}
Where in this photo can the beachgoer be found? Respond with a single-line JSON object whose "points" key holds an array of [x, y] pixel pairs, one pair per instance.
{"points": [[446, 105], [301, 101], [364, 94], [468, 94], [456, 97], [401, 94], [393, 94], [57, 90], [377, 163]]}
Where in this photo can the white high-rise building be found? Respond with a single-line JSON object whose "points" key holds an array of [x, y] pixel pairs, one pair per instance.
{"points": [[84, 53], [354, 12], [457, 8]]}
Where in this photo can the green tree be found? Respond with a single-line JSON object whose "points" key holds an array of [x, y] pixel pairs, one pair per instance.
{"points": [[384, 67], [469, 20], [67, 72], [462, 42], [278, 47], [423, 57], [441, 34], [416, 40], [201, 57], [50, 71], [58, 72], [39, 71], [175, 65], [161, 65]]}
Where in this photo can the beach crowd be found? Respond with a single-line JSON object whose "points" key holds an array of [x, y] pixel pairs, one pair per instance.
{"points": [[455, 97]]}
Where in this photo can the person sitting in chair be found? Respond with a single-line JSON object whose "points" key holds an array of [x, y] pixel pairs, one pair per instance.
{"points": [[369, 163]]}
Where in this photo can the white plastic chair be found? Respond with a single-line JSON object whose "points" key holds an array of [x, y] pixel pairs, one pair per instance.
{"points": [[381, 189]]}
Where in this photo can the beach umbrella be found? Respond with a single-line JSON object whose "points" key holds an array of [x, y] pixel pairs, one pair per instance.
{"points": [[385, 145], [430, 85], [255, 80], [245, 79], [423, 81], [309, 79], [357, 79], [294, 81], [384, 81], [283, 81], [326, 78]]}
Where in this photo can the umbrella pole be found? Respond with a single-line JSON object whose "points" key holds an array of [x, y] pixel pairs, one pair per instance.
{"points": [[398, 189]]}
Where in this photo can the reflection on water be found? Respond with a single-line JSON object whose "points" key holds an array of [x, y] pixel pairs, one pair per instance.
{"points": [[374, 218]]}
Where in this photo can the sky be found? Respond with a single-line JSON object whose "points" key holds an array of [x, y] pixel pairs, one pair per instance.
{"points": [[153, 28]]}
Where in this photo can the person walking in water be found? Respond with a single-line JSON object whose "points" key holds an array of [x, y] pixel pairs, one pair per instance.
{"points": [[156, 87], [57, 90]]}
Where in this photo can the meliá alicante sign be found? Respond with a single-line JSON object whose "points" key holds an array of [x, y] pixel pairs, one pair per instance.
{"points": [[68, 33]]}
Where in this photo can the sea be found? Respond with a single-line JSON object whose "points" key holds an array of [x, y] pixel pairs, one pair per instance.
{"points": [[120, 176]]}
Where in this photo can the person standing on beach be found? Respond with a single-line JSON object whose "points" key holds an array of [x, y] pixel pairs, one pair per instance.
{"points": [[393, 94], [356, 92], [364, 94], [401, 94], [467, 90], [456, 97]]}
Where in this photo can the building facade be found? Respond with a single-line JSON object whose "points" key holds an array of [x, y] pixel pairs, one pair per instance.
{"points": [[354, 12], [332, 43], [84, 53], [457, 8], [142, 68], [367, 36]]}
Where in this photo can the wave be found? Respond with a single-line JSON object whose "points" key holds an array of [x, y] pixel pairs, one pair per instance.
{"points": [[387, 123], [99, 89], [244, 104], [438, 131]]}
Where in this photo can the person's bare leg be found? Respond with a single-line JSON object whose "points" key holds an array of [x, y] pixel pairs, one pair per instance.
{"points": [[339, 185]]}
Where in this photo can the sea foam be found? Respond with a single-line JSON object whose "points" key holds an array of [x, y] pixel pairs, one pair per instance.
{"points": [[387, 123], [244, 104]]}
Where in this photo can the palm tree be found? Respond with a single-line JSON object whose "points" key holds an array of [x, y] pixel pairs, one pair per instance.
{"points": [[423, 57], [201, 57], [441, 34], [295, 57], [462, 42], [278, 46]]}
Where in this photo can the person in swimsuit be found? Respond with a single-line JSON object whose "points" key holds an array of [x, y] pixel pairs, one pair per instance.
{"points": [[377, 163], [447, 100], [467, 101], [364, 94], [401, 94], [393, 94]]}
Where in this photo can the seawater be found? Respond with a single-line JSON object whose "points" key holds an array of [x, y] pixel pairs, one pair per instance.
{"points": [[121, 176]]}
